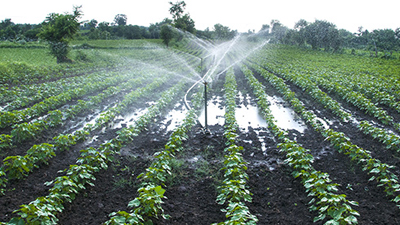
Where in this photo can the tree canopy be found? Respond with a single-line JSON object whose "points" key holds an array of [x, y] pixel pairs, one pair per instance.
{"points": [[182, 22], [58, 30], [120, 19]]}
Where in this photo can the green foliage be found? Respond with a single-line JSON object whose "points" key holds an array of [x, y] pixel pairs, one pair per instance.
{"points": [[317, 184], [378, 171], [167, 34], [120, 19], [223, 32], [5, 142], [64, 141], [148, 204], [17, 166], [233, 188], [58, 29]]}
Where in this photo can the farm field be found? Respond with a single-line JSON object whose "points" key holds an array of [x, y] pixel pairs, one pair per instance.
{"points": [[297, 136]]}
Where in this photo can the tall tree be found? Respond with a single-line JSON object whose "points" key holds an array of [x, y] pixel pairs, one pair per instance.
{"points": [[278, 31], [322, 34], [223, 32], [182, 22], [167, 34], [299, 36], [120, 19], [385, 40], [90, 25], [177, 9], [6, 23], [58, 30]]}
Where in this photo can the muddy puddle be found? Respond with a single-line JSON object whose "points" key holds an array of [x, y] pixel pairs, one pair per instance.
{"points": [[249, 115], [286, 118]]}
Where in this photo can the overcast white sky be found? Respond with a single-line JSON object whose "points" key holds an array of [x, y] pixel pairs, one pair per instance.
{"points": [[240, 15]]}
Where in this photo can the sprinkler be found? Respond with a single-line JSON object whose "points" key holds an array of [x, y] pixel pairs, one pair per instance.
{"points": [[206, 130]]}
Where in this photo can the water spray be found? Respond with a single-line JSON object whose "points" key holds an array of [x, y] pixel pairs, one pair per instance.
{"points": [[216, 55], [204, 81]]}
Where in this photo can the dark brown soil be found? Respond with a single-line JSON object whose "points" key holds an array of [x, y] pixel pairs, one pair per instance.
{"points": [[278, 197]]}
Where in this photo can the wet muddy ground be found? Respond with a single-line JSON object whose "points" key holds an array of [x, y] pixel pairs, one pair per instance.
{"points": [[278, 198]]}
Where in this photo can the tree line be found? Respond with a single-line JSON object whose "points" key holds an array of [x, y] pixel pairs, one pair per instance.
{"points": [[322, 34], [59, 29]]}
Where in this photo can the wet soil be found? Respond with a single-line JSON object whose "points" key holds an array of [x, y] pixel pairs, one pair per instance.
{"points": [[278, 197], [374, 206]]}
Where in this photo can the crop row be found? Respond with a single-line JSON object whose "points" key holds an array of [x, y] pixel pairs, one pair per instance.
{"points": [[65, 188], [391, 140], [27, 94], [24, 95], [147, 205], [16, 73], [351, 71], [18, 167], [379, 171], [342, 85], [9, 118], [374, 94], [234, 190], [27, 131], [317, 184]]}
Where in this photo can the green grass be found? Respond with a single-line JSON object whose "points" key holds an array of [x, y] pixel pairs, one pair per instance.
{"points": [[36, 53], [35, 56]]}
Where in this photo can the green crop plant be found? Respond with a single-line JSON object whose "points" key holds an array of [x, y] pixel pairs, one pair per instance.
{"points": [[234, 190], [384, 176], [317, 184], [151, 192], [5, 142]]}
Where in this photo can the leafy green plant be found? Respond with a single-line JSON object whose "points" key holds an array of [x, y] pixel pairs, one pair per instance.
{"points": [[17, 166], [148, 203], [5, 141], [64, 141], [317, 184], [233, 188]]}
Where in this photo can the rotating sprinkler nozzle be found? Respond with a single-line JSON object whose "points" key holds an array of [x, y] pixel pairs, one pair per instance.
{"points": [[206, 130]]}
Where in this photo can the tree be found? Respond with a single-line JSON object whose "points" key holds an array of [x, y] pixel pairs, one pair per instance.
{"points": [[278, 31], [301, 24], [177, 9], [322, 34], [104, 26], [133, 32], [299, 36], [90, 25], [265, 28], [184, 22], [385, 40], [397, 32], [6, 29], [275, 25], [206, 34], [167, 33], [6, 23], [120, 19], [58, 30], [223, 32]]}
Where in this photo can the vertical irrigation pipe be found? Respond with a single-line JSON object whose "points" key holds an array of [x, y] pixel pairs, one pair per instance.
{"points": [[206, 130], [203, 79]]}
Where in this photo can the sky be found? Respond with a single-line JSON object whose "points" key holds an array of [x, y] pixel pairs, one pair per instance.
{"points": [[241, 15]]}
